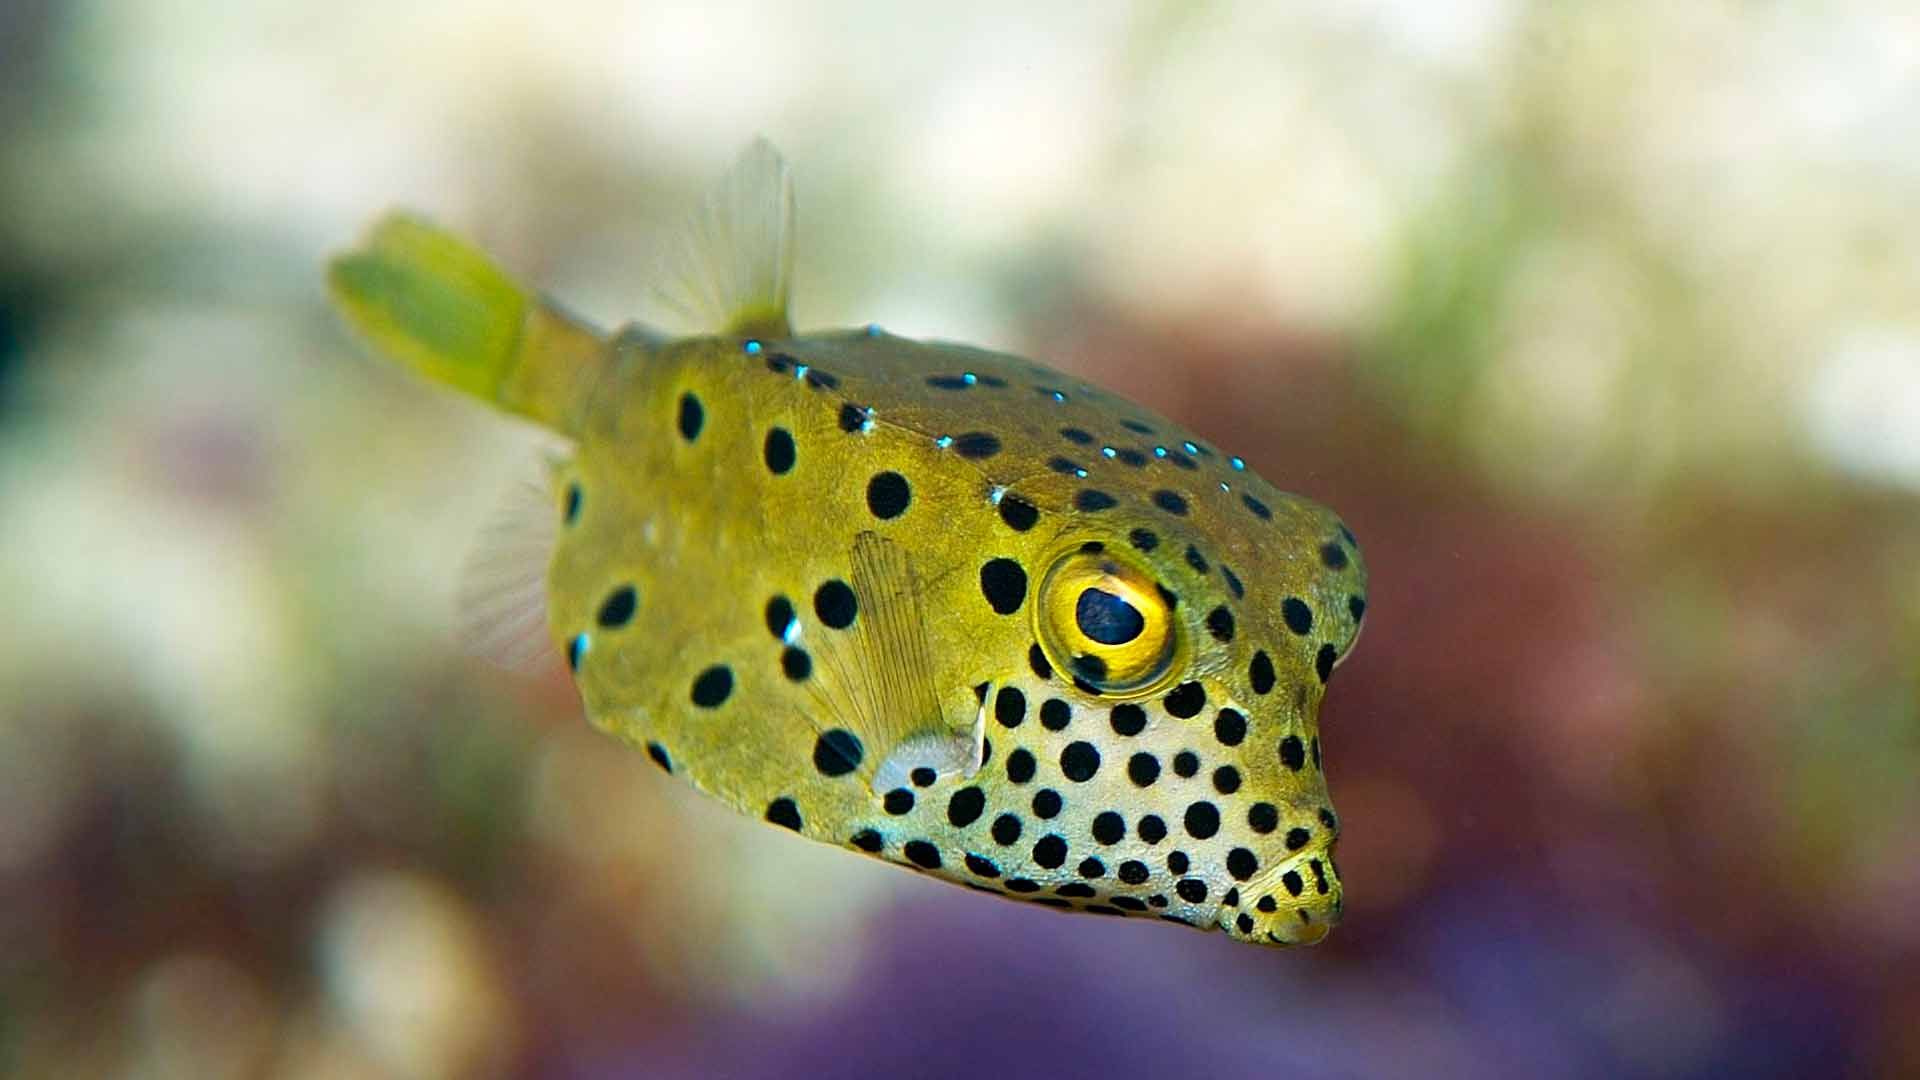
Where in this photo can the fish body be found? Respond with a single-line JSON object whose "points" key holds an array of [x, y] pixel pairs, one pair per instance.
{"points": [[939, 605]]}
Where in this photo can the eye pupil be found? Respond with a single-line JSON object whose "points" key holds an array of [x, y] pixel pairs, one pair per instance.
{"points": [[1107, 618]]}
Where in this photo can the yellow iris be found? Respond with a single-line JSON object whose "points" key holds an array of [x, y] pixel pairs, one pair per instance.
{"points": [[1104, 620]]}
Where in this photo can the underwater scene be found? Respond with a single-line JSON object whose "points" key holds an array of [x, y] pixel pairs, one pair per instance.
{"points": [[1372, 540]]}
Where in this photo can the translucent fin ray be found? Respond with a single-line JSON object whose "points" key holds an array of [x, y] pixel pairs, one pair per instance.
{"points": [[728, 268], [502, 599]]}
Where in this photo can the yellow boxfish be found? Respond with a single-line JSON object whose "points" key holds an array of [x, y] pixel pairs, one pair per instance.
{"points": [[942, 606]]}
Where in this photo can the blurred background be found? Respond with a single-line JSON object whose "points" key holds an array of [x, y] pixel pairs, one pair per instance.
{"points": [[1597, 322]]}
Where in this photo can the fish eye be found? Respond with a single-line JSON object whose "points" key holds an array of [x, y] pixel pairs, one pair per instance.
{"points": [[1104, 619]]}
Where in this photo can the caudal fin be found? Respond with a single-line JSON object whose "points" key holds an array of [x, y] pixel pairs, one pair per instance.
{"points": [[439, 305]]}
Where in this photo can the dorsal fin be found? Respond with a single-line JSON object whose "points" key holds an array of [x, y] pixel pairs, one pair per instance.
{"points": [[879, 679], [728, 268]]}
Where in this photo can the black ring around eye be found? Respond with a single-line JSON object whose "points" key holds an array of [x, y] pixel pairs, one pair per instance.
{"points": [[1107, 618]]}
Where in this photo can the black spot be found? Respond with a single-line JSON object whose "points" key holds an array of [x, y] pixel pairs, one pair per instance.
{"points": [[1327, 818], [1006, 829], [1347, 534], [898, 801], [1050, 851], [1298, 615], [1297, 839], [1131, 457], [1319, 876], [1152, 829], [1230, 727], [1259, 508], [1136, 426], [1323, 662], [1010, 707], [854, 418], [1077, 890], [1233, 582], [1076, 436], [1226, 779], [1244, 923], [692, 417], [1263, 817], [1192, 890], [1037, 660], [1089, 670], [1093, 547], [1022, 885], [795, 664], [1220, 624], [1267, 904], [986, 750], [980, 692], [1107, 618], [1144, 539], [659, 755], [1109, 827], [1177, 862], [1186, 763], [1127, 903], [1356, 607], [1065, 466], [1093, 501], [1091, 867], [1172, 598], [982, 867], [1291, 879], [1196, 560], [923, 854], [1046, 803], [835, 605], [1079, 761], [867, 840], [1181, 460], [1260, 673], [618, 607], [713, 686], [1241, 864], [1313, 751], [949, 382], [778, 362], [1333, 555], [575, 646], [1020, 766], [1143, 769], [1128, 719], [1187, 700], [923, 777], [966, 807], [1202, 820], [1004, 583], [1292, 753], [1019, 514], [888, 495], [779, 617], [783, 812], [821, 380], [779, 451], [572, 511], [1133, 872], [994, 381], [837, 752], [1170, 501], [976, 445], [1055, 714]]}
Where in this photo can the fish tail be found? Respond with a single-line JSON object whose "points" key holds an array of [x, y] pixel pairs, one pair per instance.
{"points": [[437, 304]]}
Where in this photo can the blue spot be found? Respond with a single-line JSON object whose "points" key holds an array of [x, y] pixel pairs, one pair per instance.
{"points": [[1081, 473], [1107, 450], [1191, 448], [576, 649], [943, 441], [996, 495], [873, 329], [792, 633], [1238, 465], [752, 347], [1159, 451], [1224, 487], [1058, 396], [969, 378], [800, 371]]}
